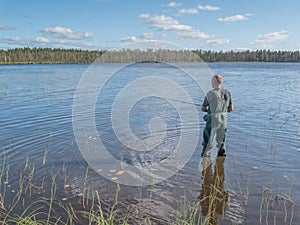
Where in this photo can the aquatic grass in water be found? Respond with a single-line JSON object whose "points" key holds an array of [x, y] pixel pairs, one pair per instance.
{"points": [[275, 205], [37, 204], [37, 208]]}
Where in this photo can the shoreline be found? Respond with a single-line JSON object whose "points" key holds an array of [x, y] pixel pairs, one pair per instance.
{"points": [[77, 56], [88, 63]]}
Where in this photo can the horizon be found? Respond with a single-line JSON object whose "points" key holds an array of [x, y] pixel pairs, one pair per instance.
{"points": [[122, 49]]}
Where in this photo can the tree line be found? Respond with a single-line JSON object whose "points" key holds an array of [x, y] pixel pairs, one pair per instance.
{"points": [[76, 56], [249, 56], [47, 55]]}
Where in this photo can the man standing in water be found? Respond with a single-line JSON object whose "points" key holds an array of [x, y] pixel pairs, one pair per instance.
{"points": [[217, 103]]}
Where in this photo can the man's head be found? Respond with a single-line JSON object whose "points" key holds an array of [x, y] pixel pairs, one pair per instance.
{"points": [[216, 81]]}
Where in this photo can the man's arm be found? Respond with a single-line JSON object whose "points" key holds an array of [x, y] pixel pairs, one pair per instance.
{"points": [[231, 106], [205, 105]]}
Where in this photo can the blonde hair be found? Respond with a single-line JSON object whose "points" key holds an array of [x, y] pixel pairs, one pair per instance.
{"points": [[218, 78], [216, 81]]}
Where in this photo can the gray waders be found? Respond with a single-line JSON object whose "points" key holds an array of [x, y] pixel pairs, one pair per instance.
{"points": [[217, 101]]}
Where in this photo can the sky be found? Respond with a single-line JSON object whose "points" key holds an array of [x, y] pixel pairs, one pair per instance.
{"points": [[193, 24]]}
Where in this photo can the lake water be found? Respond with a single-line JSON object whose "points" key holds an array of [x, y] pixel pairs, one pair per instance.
{"points": [[258, 180]]}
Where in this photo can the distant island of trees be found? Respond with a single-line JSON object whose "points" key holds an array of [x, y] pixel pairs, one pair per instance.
{"points": [[77, 56]]}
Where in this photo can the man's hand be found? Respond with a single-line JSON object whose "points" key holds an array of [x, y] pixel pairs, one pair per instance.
{"points": [[230, 108]]}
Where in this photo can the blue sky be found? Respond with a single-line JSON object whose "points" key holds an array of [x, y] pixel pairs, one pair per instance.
{"points": [[104, 24]]}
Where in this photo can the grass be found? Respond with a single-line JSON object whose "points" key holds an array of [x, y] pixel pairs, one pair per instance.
{"points": [[47, 149], [36, 201], [274, 202]]}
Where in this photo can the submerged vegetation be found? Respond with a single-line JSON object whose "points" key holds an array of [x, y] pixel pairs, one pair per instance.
{"points": [[37, 200], [78, 56]]}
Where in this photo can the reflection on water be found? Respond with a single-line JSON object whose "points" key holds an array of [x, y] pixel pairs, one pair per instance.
{"points": [[262, 164], [213, 197]]}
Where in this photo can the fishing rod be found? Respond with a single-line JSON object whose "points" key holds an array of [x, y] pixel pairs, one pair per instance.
{"points": [[184, 102]]}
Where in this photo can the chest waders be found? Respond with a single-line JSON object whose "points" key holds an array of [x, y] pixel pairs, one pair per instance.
{"points": [[216, 124]]}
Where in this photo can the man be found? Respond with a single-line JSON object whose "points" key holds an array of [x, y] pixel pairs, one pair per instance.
{"points": [[217, 103]]}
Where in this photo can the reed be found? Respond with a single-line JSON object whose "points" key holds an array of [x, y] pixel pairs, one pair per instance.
{"points": [[37, 202], [47, 149]]}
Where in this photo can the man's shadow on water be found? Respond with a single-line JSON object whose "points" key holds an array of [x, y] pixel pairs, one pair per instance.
{"points": [[213, 198]]}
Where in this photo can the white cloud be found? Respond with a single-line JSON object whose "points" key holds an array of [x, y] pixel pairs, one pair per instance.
{"points": [[14, 39], [262, 46], [40, 41], [62, 32], [24, 41], [208, 7], [129, 39], [188, 11], [172, 4], [217, 42], [234, 18], [164, 23], [4, 27], [242, 49], [148, 35], [272, 37], [196, 35], [144, 16], [143, 37]]}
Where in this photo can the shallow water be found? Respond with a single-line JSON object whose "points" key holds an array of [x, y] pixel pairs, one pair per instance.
{"points": [[263, 142]]}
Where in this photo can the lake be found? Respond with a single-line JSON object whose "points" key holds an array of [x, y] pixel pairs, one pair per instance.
{"points": [[43, 166]]}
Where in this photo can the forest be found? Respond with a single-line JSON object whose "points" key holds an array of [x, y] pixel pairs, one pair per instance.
{"points": [[78, 56]]}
